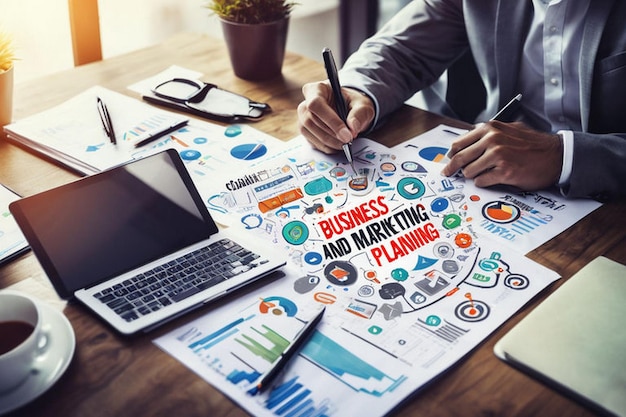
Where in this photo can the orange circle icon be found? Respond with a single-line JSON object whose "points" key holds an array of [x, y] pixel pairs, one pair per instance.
{"points": [[463, 240]]}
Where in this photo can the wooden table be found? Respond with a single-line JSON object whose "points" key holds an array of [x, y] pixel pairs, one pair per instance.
{"points": [[111, 375]]}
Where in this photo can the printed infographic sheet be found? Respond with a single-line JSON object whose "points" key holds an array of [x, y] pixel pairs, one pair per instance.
{"points": [[415, 270]]}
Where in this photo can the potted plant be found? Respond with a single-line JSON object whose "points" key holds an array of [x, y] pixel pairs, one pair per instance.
{"points": [[6, 78], [255, 32]]}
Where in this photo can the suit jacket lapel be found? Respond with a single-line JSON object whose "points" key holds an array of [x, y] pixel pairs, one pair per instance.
{"points": [[509, 42], [594, 26]]}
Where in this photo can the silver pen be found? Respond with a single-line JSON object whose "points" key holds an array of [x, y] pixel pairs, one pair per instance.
{"points": [[508, 109]]}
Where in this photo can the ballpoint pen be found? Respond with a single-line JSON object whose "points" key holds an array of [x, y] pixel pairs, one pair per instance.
{"points": [[290, 352], [508, 109], [156, 135], [340, 103], [105, 118]]}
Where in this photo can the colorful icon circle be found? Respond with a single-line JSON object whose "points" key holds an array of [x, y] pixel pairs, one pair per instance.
{"points": [[463, 240], [296, 232], [190, 155], [278, 306], [411, 188], [387, 168], [313, 258], [472, 311], [433, 320], [340, 273], [501, 212], [439, 204], [366, 291], [400, 274], [516, 282], [411, 166], [338, 173], [451, 221], [375, 330], [232, 131]]}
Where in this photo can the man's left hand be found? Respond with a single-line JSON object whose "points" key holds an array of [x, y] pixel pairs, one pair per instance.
{"points": [[507, 153]]}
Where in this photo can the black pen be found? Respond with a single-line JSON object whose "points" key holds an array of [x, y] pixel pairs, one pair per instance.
{"points": [[161, 133], [105, 118], [290, 352], [340, 103]]}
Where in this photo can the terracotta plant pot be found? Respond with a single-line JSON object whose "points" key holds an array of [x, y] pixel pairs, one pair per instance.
{"points": [[256, 51], [6, 96]]}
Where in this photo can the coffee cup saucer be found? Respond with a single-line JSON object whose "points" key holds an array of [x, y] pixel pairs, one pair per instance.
{"points": [[50, 367]]}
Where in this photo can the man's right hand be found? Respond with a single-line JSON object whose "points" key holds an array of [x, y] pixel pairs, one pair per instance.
{"points": [[319, 122]]}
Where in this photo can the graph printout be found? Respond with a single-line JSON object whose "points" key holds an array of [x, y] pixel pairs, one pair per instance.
{"points": [[415, 270]]}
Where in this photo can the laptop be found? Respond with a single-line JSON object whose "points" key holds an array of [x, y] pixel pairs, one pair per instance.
{"points": [[137, 245]]}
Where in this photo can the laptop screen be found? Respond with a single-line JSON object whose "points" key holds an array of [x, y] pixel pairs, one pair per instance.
{"points": [[109, 223]]}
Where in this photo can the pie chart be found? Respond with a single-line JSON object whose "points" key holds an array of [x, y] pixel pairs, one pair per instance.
{"points": [[501, 212], [248, 151], [433, 153]]}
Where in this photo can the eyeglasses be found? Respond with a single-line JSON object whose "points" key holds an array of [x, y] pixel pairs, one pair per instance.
{"points": [[182, 90], [208, 99]]}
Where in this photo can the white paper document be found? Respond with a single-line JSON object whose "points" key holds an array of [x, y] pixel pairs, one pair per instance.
{"points": [[12, 241], [406, 261]]}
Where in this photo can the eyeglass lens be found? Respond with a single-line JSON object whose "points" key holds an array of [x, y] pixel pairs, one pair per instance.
{"points": [[178, 89]]}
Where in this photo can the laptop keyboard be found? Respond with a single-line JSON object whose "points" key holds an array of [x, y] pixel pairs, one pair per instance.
{"points": [[178, 279]]}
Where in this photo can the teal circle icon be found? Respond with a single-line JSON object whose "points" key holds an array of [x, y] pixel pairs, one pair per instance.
{"points": [[375, 330], [232, 131], [411, 188], [433, 320], [296, 232], [318, 186], [399, 274]]}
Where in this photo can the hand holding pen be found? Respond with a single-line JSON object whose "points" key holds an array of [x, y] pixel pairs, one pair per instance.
{"points": [[498, 153]]}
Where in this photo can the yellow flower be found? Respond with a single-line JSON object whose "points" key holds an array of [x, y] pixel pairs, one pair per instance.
{"points": [[6, 52]]}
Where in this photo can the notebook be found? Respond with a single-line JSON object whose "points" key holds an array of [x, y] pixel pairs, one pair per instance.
{"points": [[575, 339], [130, 243]]}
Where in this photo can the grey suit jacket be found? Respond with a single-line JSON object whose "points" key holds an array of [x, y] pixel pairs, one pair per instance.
{"points": [[413, 50]]}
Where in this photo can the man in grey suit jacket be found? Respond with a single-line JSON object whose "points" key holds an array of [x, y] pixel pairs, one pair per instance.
{"points": [[567, 57]]}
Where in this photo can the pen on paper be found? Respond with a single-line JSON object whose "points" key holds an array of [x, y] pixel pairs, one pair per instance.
{"points": [[105, 118], [507, 109], [452, 132], [154, 136], [289, 353], [340, 103]]}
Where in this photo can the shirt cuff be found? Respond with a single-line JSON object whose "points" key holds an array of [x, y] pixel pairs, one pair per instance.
{"points": [[567, 139]]}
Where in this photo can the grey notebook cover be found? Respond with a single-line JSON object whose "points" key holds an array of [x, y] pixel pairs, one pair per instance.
{"points": [[576, 338]]}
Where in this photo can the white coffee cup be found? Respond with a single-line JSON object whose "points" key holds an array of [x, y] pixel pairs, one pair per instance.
{"points": [[20, 347]]}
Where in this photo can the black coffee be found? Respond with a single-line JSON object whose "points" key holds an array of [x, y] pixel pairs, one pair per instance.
{"points": [[13, 333]]}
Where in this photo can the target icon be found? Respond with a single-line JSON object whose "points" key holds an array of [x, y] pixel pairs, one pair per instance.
{"points": [[471, 310], [516, 281]]}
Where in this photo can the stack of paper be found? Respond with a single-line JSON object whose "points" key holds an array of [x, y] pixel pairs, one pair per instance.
{"points": [[73, 133]]}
